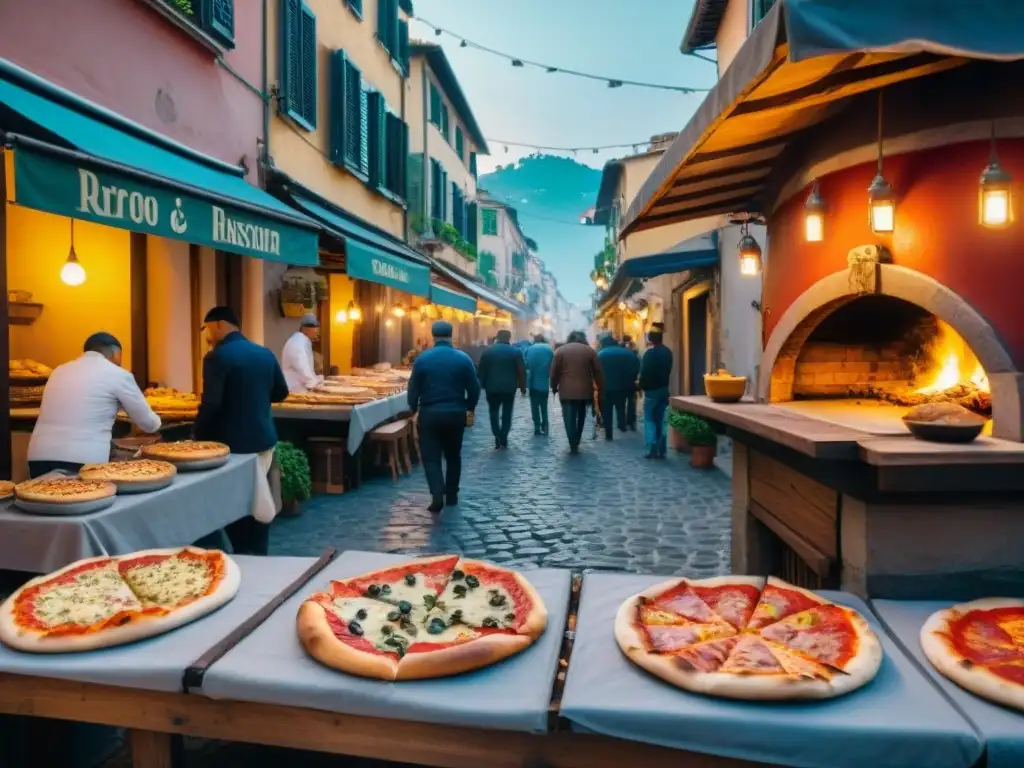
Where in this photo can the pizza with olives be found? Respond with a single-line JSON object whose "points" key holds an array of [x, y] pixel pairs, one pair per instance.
{"points": [[106, 601], [746, 637], [980, 647], [431, 617]]}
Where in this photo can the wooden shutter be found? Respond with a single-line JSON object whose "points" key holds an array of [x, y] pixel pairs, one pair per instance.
{"points": [[387, 25], [403, 47], [472, 163], [291, 57], [443, 189], [219, 20], [435, 182], [397, 155], [353, 115], [356, 6], [364, 133], [382, 21], [339, 68], [377, 125], [458, 143], [309, 67], [444, 123], [456, 208], [471, 224], [435, 105]]}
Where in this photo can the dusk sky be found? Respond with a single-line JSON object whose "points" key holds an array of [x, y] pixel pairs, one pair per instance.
{"points": [[634, 40]]}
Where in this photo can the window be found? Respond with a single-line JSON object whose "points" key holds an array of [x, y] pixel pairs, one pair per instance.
{"points": [[445, 124], [459, 148], [489, 217], [215, 17], [356, 6], [760, 9], [378, 139], [397, 160], [435, 105], [438, 191], [298, 63], [403, 47], [471, 224], [348, 116], [387, 26], [458, 214], [472, 163]]}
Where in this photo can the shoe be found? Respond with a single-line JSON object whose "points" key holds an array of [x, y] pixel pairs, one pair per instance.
{"points": [[436, 505], [544, 431], [632, 427], [537, 432], [452, 500], [650, 456], [574, 449], [497, 444], [608, 438]]}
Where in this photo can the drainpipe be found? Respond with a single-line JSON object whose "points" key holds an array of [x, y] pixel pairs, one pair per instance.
{"points": [[428, 231], [266, 95], [405, 208]]}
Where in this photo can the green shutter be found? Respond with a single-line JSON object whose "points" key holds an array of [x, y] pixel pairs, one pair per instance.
{"points": [[291, 57], [397, 154], [435, 105], [471, 224], [445, 126], [458, 143], [403, 47], [364, 133], [337, 107], [472, 163], [490, 221], [219, 20], [435, 182], [387, 25], [443, 189], [356, 6], [456, 208], [353, 117], [377, 125], [309, 93]]}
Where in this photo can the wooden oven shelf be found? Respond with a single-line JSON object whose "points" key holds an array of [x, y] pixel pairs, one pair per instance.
{"points": [[23, 312]]}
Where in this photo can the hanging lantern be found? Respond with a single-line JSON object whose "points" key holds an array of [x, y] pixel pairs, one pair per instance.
{"points": [[881, 197], [994, 199], [72, 273], [341, 316], [814, 216], [750, 255], [354, 313]]}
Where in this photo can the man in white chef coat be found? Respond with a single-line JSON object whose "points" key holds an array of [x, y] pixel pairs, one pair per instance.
{"points": [[297, 356], [80, 404]]}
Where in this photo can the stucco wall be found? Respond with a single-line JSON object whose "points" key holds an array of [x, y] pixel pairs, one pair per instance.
{"points": [[169, 313], [732, 32], [739, 335]]}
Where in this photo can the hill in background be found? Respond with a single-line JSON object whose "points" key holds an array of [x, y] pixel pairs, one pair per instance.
{"points": [[550, 193]]}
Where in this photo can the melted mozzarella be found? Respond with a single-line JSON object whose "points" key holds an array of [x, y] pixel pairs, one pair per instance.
{"points": [[476, 605], [374, 621], [170, 581], [93, 596]]}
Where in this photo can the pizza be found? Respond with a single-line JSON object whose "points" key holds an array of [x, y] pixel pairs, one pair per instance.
{"points": [[745, 637], [185, 450], [980, 647], [106, 601], [6, 489], [125, 474], [63, 490], [431, 617]]}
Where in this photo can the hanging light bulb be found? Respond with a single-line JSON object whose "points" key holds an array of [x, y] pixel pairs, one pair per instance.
{"points": [[72, 273], [994, 202], [750, 254], [355, 314], [622, 306], [379, 308], [341, 316], [387, 323], [881, 197], [814, 215], [398, 311]]}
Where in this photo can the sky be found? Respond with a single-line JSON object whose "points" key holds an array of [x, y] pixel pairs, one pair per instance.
{"points": [[636, 40]]}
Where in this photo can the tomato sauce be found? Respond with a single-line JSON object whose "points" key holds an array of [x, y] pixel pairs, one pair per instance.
{"points": [[436, 575], [522, 604]]}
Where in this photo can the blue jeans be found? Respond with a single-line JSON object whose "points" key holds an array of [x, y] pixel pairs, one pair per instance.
{"points": [[655, 405]]}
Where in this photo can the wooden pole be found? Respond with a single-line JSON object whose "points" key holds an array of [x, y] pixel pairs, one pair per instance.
{"points": [[5, 338]]}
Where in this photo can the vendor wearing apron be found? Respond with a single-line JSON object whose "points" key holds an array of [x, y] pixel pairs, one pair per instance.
{"points": [[80, 404], [240, 382]]}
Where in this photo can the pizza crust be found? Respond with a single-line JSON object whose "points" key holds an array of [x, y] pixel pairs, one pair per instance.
{"points": [[320, 642], [138, 628], [185, 450], [127, 472], [88, 490], [537, 619], [464, 657], [974, 678]]}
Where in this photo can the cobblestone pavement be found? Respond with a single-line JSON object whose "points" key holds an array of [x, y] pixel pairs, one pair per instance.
{"points": [[531, 505], [535, 505]]}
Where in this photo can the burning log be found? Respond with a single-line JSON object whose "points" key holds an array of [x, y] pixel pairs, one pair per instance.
{"points": [[967, 395]]}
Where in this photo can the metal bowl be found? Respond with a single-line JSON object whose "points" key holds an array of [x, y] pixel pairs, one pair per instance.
{"points": [[936, 432]]}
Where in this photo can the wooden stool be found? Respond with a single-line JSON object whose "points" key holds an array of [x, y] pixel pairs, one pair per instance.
{"points": [[392, 438], [327, 462]]}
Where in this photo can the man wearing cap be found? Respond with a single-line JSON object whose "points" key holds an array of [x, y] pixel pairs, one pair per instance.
{"points": [[297, 356], [80, 404], [502, 372], [240, 381], [443, 389]]}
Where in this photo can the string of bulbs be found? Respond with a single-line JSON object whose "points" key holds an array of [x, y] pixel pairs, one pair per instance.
{"points": [[516, 61], [634, 145]]}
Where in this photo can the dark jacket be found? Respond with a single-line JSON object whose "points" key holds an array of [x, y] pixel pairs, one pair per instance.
{"points": [[240, 381], [619, 365], [502, 370], [576, 372], [443, 381], [656, 368]]}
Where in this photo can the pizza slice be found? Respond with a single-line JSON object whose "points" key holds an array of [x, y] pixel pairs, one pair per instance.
{"points": [[733, 598], [829, 634], [987, 637], [172, 579], [415, 582], [780, 599], [707, 657], [800, 666], [752, 656], [672, 638], [684, 600]]}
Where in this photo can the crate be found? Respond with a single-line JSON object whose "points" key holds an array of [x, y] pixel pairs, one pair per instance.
{"points": [[327, 464]]}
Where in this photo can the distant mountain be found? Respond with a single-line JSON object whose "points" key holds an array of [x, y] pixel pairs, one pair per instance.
{"points": [[551, 193]]}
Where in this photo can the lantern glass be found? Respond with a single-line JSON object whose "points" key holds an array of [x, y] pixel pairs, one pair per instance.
{"points": [[814, 227], [995, 207], [355, 314], [750, 264], [883, 215]]}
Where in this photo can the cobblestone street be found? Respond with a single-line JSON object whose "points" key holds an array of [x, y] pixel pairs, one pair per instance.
{"points": [[535, 505]]}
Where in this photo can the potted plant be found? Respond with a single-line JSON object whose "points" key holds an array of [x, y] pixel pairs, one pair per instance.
{"points": [[676, 430], [296, 479], [703, 441]]}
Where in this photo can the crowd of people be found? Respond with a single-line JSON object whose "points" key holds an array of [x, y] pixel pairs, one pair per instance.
{"points": [[446, 385]]}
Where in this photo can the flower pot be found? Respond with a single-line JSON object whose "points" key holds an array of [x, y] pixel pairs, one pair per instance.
{"points": [[703, 456], [291, 508], [677, 441]]}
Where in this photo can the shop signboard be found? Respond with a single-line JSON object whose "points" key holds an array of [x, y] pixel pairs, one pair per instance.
{"points": [[364, 262]]}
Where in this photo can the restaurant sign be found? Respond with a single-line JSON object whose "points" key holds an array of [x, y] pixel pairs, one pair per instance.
{"points": [[120, 200], [364, 262]]}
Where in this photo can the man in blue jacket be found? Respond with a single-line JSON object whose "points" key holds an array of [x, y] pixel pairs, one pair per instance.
{"points": [[240, 381], [502, 372], [621, 367], [628, 343], [655, 372], [443, 390], [538, 373]]}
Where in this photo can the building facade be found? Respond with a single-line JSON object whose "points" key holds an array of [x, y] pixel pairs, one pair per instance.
{"points": [[504, 249]]}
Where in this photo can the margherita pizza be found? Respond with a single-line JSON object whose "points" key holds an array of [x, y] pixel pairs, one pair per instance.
{"points": [[980, 647], [745, 637], [128, 474], [105, 601], [433, 617], [185, 450]]}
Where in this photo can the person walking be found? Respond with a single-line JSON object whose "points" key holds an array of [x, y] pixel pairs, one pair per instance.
{"points": [[502, 372], [628, 343], [655, 372], [575, 372], [538, 374], [443, 391], [240, 382], [620, 367]]}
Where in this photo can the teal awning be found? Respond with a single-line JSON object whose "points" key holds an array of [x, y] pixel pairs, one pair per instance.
{"points": [[110, 175], [509, 305], [372, 255], [454, 299]]}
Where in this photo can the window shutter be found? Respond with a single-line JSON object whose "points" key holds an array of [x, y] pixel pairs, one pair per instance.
{"points": [[456, 208], [458, 143], [397, 155], [382, 21], [471, 224], [435, 105], [291, 56], [472, 163], [364, 133], [308, 67], [353, 115], [402, 183], [219, 20], [356, 6], [387, 25], [337, 107], [443, 189], [444, 123], [403, 47], [435, 182], [377, 124]]}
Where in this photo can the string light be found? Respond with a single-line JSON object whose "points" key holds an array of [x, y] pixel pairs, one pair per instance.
{"points": [[517, 61]]}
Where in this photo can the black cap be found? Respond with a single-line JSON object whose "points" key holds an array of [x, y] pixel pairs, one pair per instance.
{"points": [[221, 315], [441, 329]]}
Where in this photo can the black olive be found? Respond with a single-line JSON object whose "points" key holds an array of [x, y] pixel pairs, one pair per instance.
{"points": [[497, 601], [355, 628], [361, 613], [510, 617], [404, 606], [457, 614], [373, 590], [386, 629], [489, 622], [459, 589], [457, 574], [385, 589], [472, 582], [394, 615], [410, 579], [436, 626]]}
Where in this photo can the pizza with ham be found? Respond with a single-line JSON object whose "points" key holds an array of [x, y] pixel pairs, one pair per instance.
{"points": [[980, 647], [431, 617], [745, 637], [106, 601]]}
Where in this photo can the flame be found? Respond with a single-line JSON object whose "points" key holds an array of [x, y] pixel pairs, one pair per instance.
{"points": [[951, 360]]}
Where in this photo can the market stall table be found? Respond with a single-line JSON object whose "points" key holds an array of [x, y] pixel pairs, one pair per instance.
{"points": [[898, 720], [1001, 728], [194, 505]]}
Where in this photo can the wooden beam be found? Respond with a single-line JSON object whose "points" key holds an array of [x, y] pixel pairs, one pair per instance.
{"points": [[139, 281], [151, 749], [5, 337]]}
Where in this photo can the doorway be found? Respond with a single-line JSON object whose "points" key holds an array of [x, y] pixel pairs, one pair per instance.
{"points": [[697, 342]]}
